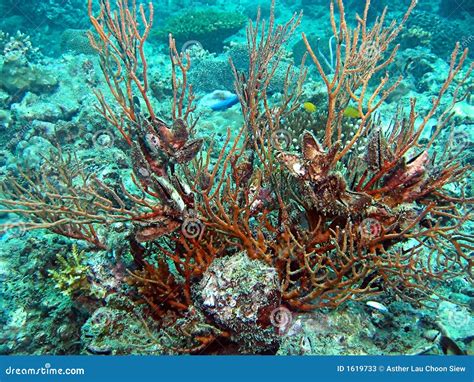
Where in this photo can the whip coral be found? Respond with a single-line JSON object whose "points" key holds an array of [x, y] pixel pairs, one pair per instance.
{"points": [[336, 219]]}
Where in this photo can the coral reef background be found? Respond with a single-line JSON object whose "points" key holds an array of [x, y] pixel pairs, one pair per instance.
{"points": [[60, 296]]}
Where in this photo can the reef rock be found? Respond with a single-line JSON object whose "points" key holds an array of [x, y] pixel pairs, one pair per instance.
{"points": [[240, 295]]}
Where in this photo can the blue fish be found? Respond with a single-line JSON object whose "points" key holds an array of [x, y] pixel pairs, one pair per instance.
{"points": [[225, 103]]}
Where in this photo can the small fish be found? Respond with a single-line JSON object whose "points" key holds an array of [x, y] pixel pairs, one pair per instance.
{"points": [[309, 107], [351, 112], [377, 305], [225, 103]]}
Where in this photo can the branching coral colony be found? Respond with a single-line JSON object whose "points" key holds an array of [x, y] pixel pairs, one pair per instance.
{"points": [[338, 219]]}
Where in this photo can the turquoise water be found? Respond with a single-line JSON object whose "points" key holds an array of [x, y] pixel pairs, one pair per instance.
{"points": [[200, 177]]}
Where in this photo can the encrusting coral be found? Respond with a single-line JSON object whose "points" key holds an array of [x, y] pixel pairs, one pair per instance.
{"points": [[339, 216]]}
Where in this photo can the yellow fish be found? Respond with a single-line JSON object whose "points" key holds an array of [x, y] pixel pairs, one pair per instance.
{"points": [[309, 107], [351, 112]]}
